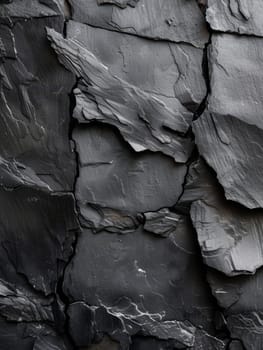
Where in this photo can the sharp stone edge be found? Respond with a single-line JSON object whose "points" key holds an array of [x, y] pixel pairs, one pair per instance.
{"points": [[130, 174]]}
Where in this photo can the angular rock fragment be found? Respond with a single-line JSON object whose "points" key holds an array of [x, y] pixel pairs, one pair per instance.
{"points": [[14, 175], [168, 70], [239, 16], [162, 222], [113, 176], [22, 305], [139, 274], [120, 3], [174, 20], [238, 164], [34, 88], [144, 121], [236, 77], [100, 218], [226, 232]]}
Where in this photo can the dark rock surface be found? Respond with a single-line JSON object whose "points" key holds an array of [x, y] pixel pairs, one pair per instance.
{"points": [[131, 175]]}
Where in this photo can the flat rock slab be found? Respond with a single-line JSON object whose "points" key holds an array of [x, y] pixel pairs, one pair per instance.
{"points": [[132, 274], [113, 176], [234, 150], [238, 16], [169, 70], [236, 77], [173, 20]]}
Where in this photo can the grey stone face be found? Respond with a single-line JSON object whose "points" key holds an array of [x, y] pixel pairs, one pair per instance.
{"points": [[239, 16], [131, 149], [220, 140], [177, 21], [229, 235], [170, 71], [35, 107], [136, 285], [235, 77]]}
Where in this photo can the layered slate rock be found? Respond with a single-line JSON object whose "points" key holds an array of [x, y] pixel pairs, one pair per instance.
{"points": [[238, 164], [112, 176], [239, 16], [173, 20], [241, 300], [27, 9], [34, 103], [30, 336], [226, 232], [133, 292], [30, 217], [236, 77], [145, 122], [170, 71]]}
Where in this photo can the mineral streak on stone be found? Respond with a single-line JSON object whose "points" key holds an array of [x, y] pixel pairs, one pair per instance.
{"points": [[173, 20], [239, 16], [135, 276], [220, 140], [236, 77], [144, 121], [128, 320], [169, 71], [226, 232]]}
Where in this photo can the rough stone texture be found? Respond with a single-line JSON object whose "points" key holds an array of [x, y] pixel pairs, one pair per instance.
{"points": [[168, 70], [239, 16], [173, 20], [131, 175], [226, 232], [220, 142]]}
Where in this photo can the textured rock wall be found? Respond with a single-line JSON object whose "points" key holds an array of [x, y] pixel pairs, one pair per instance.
{"points": [[131, 174]]}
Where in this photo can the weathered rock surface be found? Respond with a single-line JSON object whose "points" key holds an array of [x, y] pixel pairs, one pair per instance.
{"points": [[220, 140], [236, 77], [241, 299], [137, 287], [239, 16], [130, 175], [113, 176], [162, 222], [167, 70], [226, 232], [35, 107], [173, 20], [108, 99]]}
